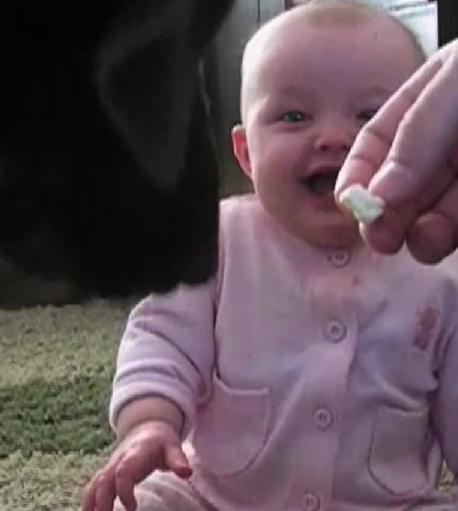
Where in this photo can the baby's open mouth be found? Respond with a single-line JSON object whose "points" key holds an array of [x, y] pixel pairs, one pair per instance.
{"points": [[321, 183]]}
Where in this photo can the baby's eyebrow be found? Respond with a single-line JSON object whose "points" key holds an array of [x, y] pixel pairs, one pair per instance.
{"points": [[375, 91], [293, 94], [294, 91]]}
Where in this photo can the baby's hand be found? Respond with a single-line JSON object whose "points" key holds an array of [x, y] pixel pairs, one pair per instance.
{"points": [[149, 446]]}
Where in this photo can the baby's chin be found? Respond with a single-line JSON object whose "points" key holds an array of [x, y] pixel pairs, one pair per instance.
{"points": [[340, 233]]}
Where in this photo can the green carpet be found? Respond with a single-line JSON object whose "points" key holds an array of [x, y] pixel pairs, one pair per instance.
{"points": [[56, 366]]}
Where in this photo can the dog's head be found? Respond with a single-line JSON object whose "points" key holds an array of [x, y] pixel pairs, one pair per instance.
{"points": [[104, 143]]}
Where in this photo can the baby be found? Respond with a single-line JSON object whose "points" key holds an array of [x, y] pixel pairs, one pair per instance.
{"points": [[310, 373]]}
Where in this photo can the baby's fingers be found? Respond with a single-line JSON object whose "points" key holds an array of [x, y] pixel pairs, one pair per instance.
{"points": [[139, 463], [100, 493], [89, 497], [176, 461], [133, 468], [105, 492]]}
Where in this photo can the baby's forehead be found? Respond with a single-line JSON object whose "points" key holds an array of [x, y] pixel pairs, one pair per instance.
{"points": [[338, 15], [316, 14], [271, 48], [285, 35]]}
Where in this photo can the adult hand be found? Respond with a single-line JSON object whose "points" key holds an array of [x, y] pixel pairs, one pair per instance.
{"points": [[153, 445], [408, 155]]}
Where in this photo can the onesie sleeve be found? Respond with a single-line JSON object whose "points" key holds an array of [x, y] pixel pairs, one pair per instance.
{"points": [[167, 350], [445, 406]]}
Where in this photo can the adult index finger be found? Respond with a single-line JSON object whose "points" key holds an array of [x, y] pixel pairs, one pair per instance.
{"points": [[373, 143], [424, 140]]}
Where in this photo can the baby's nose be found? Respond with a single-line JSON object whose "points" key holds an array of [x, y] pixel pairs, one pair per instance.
{"points": [[335, 136]]}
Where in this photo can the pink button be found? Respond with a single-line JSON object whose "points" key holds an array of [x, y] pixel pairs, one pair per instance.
{"points": [[339, 258], [323, 418], [311, 502], [335, 331]]}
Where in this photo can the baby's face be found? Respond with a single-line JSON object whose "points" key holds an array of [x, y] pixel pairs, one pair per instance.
{"points": [[309, 89]]}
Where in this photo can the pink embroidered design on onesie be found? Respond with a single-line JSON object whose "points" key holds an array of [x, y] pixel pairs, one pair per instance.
{"points": [[427, 320]]}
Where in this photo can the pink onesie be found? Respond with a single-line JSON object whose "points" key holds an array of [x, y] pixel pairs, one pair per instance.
{"points": [[311, 379]]}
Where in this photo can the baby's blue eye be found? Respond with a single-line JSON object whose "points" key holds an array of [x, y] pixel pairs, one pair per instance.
{"points": [[293, 116], [366, 115]]}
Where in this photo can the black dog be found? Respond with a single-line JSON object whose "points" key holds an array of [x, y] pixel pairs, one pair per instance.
{"points": [[108, 176]]}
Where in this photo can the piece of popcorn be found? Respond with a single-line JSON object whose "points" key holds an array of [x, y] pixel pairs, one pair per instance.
{"points": [[364, 206]]}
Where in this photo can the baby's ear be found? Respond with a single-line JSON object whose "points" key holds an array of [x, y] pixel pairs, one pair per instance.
{"points": [[240, 148]]}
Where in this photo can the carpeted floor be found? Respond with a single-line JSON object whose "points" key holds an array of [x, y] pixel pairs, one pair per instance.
{"points": [[56, 366]]}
